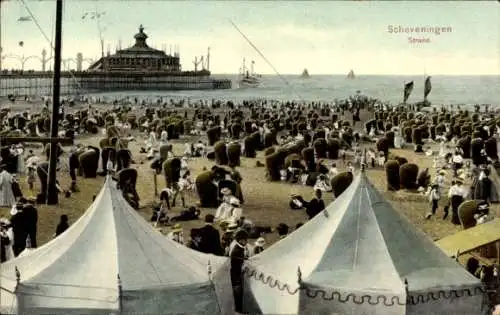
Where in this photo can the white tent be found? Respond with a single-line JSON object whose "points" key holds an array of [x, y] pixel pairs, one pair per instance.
{"points": [[111, 261], [354, 258]]}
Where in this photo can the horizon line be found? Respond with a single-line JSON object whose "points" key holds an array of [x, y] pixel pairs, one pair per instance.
{"points": [[369, 74]]}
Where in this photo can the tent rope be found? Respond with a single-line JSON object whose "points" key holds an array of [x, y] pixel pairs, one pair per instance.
{"points": [[330, 295]]}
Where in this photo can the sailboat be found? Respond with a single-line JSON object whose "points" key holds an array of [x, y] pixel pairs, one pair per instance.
{"points": [[305, 74], [350, 75], [248, 78], [427, 90]]}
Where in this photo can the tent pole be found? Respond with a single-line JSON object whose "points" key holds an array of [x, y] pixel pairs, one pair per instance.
{"points": [[209, 270], [299, 276], [407, 290], [18, 276], [120, 291], [155, 181]]}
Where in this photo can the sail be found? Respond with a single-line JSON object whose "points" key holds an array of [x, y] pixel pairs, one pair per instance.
{"points": [[351, 75], [408, 90], [428, 87]]}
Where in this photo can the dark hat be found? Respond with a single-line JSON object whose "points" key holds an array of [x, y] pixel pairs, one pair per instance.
{"points": [[282, 228], [194, 233], [240, 235], [209, 218]]}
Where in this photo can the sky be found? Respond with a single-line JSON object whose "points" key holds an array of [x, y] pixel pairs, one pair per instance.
{"points": [[326, 37]]}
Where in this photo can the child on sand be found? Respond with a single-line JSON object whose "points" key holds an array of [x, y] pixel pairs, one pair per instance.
{"points": [[434, 197]]}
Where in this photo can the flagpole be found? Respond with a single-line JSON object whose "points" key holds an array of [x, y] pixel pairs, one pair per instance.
{"points": [[424, 82], [404, 90]]}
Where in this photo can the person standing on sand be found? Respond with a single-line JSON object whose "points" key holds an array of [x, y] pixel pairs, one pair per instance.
{"points": [[19, 228], [31, 164], [455, 194], [7, 198], [434, 196], [440, 180], [31, 220], [458, 161], [238, 254], [7, 240]]}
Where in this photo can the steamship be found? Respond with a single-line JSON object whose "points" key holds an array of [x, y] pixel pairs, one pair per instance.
{"points": [[248, 79]]}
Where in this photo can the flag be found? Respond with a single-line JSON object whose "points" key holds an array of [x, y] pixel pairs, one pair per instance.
{"points": [[408, 89], [24, 19], [428, 87]]}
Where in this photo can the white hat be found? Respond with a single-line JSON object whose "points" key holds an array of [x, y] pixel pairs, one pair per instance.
{"points": [[260, 241], [234, 201], [13, 210], [4, 221], [232, 227], [483, 206]]}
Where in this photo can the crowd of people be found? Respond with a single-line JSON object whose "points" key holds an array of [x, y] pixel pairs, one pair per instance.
{"points": [[228, 232]]}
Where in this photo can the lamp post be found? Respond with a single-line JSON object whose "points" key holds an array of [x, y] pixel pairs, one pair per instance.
{"points": [[52, 195], [22, 59]]}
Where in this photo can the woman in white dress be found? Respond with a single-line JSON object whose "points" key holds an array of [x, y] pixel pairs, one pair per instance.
{"points": [[398, 139], [188, 149], [7, 235], [223, 211], [7, 198], [442, 149], [235, 211], [21, 170], [164, 138]]}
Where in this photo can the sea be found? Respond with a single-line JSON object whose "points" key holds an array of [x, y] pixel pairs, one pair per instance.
{"points": [[446, 90], [326, 88]]}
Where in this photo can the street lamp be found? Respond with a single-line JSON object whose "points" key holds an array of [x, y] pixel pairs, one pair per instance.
{"points": [[22, 59]]}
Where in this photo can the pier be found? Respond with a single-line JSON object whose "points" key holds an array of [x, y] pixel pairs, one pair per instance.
{"points": [[31, 83], [138, 67]]}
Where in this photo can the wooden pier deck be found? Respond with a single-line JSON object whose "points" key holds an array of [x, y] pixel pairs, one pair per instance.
{"points": [[40, 83]]}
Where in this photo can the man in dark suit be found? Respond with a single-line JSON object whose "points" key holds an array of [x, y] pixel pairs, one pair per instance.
{"points": [[74, 164], [19, 228], [210, 237], [31, 220]]}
